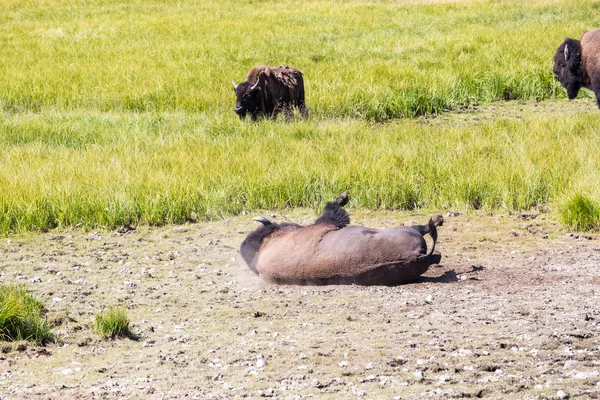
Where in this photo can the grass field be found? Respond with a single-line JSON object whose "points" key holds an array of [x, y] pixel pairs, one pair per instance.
{"points": [[368, 59], [118, 113]]}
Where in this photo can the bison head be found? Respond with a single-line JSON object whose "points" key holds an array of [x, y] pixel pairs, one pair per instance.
{"points": [[567, 66], [248, 98]]}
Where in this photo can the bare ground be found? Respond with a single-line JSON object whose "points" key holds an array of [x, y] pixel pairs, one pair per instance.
{"points": [[511, 312]]}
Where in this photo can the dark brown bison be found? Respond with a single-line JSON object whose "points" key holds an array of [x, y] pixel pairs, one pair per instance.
{"points": [[269, 91], [577, 64], [331, 252]]}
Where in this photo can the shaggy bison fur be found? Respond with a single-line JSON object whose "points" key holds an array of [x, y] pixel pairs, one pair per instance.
{"points": [[577, 64], [331, 252], [268, 91]]}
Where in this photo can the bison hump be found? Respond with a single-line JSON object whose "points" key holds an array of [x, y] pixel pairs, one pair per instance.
{"points": [[254, 73], [590, 51]]}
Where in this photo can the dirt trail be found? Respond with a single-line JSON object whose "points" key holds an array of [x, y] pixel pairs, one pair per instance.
{"points": [[511, 312]]}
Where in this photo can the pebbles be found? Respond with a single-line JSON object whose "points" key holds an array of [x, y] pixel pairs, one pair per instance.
{"points": [[436, 338], [260, 361], [419, 375], [65, 371], [561, 394], [583, 374]]}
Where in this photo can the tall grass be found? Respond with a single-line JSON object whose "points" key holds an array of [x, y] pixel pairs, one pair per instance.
{"points": [[22, 316], [118, 113], [580, 213], [152, 168], [113, 323], [373, 60]]}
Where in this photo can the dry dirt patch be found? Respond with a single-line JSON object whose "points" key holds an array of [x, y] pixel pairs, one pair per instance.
{"points": [[511, 312]]}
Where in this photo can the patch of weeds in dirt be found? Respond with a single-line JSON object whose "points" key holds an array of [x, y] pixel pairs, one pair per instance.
{"points": [[22, 316], [581, 213], [113, 323]]}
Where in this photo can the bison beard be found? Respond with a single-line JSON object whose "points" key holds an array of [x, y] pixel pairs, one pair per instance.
{"points": [[577, 64], [268, 91], [330, 252]]}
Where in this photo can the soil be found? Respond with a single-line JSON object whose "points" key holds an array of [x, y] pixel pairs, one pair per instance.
{"points": [[511, 311]]}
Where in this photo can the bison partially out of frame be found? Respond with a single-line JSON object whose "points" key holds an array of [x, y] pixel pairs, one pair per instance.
{"points": [[577, 64], [269, 91], [331, 252]]}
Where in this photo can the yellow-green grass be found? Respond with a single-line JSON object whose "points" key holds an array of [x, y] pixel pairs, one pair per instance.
{"points": [[368, 59], [109, 169], [22, 316], [580, 213], [113, 323], [118, 113]]}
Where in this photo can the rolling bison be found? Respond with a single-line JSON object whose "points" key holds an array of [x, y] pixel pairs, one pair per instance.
{"points": [[331, 252], [269, 91], [577, 64]]}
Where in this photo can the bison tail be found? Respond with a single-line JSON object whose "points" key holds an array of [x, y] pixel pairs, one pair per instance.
{"points": [[434, 222]]}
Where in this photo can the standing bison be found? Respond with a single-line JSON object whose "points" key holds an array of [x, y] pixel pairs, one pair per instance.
{"points": [[577, 64], [331, 252], [269, 91]]}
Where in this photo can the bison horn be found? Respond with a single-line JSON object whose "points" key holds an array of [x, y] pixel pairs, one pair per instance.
{"points": [[255, 85], [262, 220], [234, 85], [566, 52]]}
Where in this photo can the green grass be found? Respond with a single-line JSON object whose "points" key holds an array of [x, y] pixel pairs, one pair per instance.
{"points": [[365, 59], [113, 323], [22, 316], [580, 213], [151, 168], [117, 113]]}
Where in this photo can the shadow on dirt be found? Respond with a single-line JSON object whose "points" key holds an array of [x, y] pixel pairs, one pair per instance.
{"points": [[447, 277]]}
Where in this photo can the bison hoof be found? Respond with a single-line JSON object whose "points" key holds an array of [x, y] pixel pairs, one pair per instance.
{"points": [[438, 220], [342, 199]]}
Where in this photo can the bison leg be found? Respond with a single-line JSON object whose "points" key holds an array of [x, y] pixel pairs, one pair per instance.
{"points": [[276, 110], [342, 199], [254, 115], [303, 110], [288, 112], [596, 88], [431, 229], [285, 109], [334, 214]]}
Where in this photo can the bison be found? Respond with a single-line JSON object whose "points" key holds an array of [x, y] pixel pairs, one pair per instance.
{"points": [[269, 91], [577, 64], [331, 252]]}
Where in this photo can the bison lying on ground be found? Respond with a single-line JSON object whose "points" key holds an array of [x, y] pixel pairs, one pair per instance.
{"points": [[269, 91], [330, 252], [577, 64]]}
